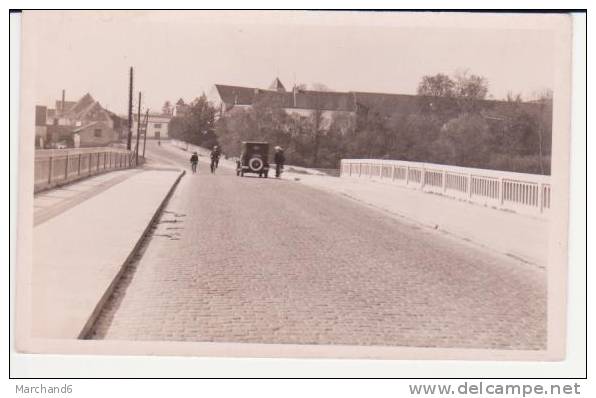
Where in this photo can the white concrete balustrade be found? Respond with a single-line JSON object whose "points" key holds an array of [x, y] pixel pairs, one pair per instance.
{"points": [[519, 192], [58, 166]]}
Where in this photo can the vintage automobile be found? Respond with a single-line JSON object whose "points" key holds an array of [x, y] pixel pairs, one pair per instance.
{"points": [[254, 158]]}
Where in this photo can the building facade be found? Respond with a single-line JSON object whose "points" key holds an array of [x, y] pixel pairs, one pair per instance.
{"points": [[95, 134], [157, 126]]}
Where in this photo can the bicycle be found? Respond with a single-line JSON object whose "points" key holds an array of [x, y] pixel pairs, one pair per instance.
{"points": [[214, 164]]}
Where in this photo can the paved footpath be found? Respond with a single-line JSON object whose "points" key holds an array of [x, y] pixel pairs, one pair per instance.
{"points": [[274, 261], [89, 231], [51, 203]]}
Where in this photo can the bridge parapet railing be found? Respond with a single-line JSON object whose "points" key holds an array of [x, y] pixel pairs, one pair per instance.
{"points": [[520, 192], [55, 167]]}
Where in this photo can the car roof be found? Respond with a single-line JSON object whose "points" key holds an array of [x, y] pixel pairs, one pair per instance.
{"points": [[255, 142]]}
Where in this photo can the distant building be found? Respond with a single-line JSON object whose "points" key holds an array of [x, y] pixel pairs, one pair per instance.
{"points": [[157, 126], [352, 104], [86, 117]]}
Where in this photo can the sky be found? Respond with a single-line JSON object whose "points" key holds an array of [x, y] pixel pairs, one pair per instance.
{"points": [[180, 55]]}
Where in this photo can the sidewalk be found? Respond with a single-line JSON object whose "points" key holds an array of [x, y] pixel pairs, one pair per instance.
{"points": [[53, 202], [84, 234], [520, 236]]}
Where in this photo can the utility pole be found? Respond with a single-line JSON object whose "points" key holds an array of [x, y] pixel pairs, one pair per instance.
{"points": [[145, 131], [129, 137], [138, 130]]}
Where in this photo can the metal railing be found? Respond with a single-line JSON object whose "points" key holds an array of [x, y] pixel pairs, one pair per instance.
{"points": [[524, 193], [55, 167]]}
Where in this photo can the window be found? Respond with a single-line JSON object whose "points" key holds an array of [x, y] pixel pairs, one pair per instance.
{"points": [[97, 132], [156, 125]]}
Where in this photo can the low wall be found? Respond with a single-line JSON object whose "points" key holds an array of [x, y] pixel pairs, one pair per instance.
{"points": [[524, 193], [55, 167]]}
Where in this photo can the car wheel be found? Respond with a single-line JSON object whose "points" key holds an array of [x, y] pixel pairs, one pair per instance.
{"points": [[256, 165]]}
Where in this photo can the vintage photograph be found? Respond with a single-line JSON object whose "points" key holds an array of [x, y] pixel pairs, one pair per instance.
{"points": [[294, 183]]}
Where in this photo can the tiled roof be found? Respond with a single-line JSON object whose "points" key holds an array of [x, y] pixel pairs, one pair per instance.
{"points": [[87, 109], [382, 103], [273, 98], [84, 103], [68, 105], [236, 95], [325, 100], [385, 103]]}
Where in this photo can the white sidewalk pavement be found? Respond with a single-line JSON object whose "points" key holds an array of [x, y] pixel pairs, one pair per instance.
{"points": [[49, 204], [80, 252]]}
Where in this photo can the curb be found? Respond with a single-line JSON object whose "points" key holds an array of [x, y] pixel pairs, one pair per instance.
{"points": [[83, 334]]}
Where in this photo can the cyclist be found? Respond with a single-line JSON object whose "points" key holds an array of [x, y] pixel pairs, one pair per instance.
{"points": [[194, 160], [215, 154]]}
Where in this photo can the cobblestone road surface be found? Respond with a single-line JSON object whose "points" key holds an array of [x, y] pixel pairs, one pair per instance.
{"points": [[272, 261]]}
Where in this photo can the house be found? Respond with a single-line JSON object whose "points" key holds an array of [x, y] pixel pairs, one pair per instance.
{"points": [[157, 125], [86, 117]]}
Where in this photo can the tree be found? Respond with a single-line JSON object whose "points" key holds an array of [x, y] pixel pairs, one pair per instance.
{"points": [[463, 141], [469, 86], [319, 87], [439, 85], [513, 97], [545, 99], [197, 125], [415, 134], [237, 126], [166, 109]]}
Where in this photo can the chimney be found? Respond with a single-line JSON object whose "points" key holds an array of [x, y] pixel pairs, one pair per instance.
{"points": [[294, 90], [63, 100]]}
